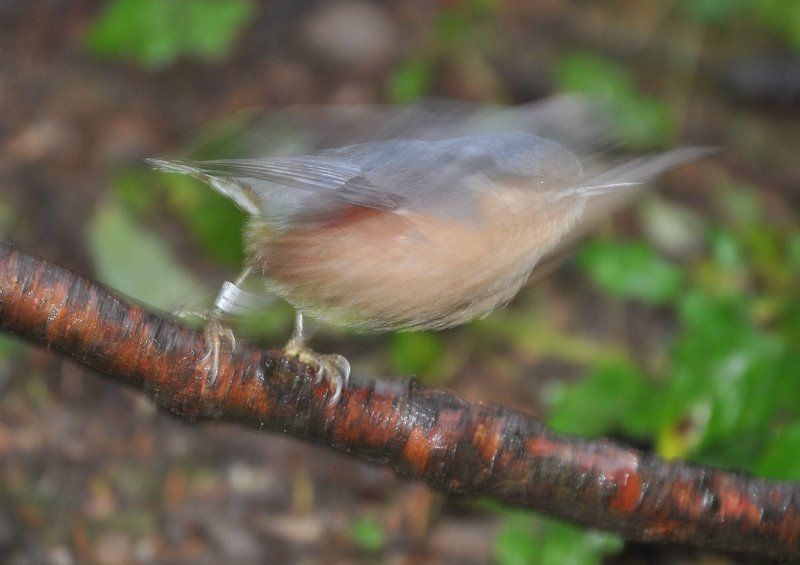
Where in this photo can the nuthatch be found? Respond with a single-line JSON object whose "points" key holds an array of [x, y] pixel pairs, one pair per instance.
{"points": [[407, 233]]}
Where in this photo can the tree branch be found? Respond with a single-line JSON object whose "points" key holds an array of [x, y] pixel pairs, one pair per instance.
{"points": [[423, 433]]}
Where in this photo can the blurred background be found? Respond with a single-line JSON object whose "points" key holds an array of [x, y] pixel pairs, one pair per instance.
{"points": [[675, 327]]}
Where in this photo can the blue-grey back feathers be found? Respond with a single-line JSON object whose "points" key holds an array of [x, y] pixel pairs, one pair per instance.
{"points": [[442, 177], [432, 176]]}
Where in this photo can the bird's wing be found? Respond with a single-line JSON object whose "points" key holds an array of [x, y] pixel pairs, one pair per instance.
{"points": [[263, 185]]}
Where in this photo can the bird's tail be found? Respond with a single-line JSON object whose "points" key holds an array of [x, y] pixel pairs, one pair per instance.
{"points": [[242, 196]]}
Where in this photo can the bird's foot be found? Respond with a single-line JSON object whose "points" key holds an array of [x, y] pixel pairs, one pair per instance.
{"points": [[334, 368], [228, 301], [215, 333]]}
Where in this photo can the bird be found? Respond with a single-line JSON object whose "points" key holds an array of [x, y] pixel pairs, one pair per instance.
{"points": [[417, 232]]}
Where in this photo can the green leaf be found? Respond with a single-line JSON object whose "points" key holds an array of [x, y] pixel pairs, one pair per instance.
{"points": [[593, 75], [758, 243], [516, 545], [549, 542], [270, 322], [215, 220], [211, 26], [368, 535], [644, 122], [641, 121], [728, 370], [631, 270], [780, 459], [136, 191], [726, 250], [410, 81], [568, 544], [155, 33], [132, 260], [783, 16], [415, 353], [612, 398]]}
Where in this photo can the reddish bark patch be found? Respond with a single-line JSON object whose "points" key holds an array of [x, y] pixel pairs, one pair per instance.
{"points": [[417, 450], [629, 493], [735, 505]]}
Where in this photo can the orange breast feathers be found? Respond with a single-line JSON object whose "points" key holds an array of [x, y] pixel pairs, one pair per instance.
{"points": [[375, 270]]}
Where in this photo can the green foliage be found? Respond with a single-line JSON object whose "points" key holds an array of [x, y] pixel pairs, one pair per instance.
{"points": [[611, 398], [410, 81], [520, 329], [783, 16], [156, 33], [461, 32], [516, 545], [726, 369], [215, 221], [415, 353], [715, 11], [130, 259], [780, 459], [640, 121], [631, 270], [593, 74], [457, 23], [270, 322], [535, 541], [135, 191], [7, 347], [727, 393], [726, 251], [780, 17], [368, 535]]}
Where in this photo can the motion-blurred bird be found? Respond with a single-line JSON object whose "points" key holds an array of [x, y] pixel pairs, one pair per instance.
{"points": [[427, 230]]}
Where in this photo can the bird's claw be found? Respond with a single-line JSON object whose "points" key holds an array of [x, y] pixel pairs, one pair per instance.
{"points": [[215, 333], [333, 368]]}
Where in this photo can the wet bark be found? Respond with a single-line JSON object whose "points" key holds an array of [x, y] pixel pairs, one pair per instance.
{"points": [[424, 433]]}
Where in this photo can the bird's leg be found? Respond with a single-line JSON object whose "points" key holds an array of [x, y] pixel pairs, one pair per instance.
{"points": [[297, 340], [214, 331], [335, 369]]}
